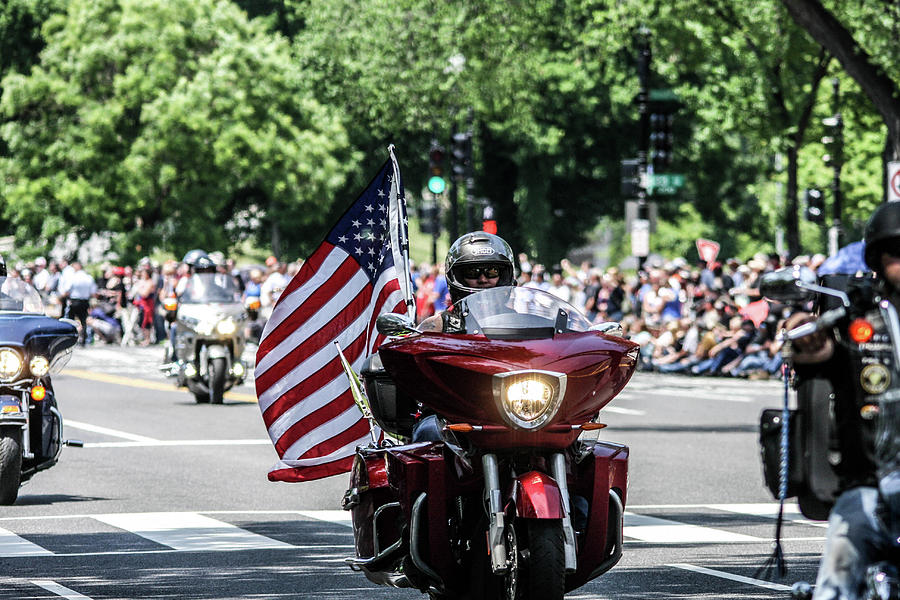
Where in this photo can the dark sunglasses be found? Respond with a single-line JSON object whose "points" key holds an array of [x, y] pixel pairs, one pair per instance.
{"points": [[892, 251], [476, 272]]}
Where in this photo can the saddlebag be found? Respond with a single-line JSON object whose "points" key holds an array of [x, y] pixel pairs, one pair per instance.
{"points": [[393, 410], [45, 442]]}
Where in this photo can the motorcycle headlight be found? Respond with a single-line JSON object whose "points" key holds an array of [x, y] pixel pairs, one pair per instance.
{"points": [[529, 399], [39, 366], [205, 327], [226, 327], [10, 364]]}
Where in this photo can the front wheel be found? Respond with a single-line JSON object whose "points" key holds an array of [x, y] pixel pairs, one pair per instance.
{"points": [[543, 574], [10, 465], [218, 373]]}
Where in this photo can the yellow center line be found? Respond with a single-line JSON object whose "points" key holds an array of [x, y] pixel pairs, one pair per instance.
{"points": [[146, 384]]}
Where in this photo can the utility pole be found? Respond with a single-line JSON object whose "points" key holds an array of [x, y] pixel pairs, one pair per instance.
{"points": [[834, 142]]}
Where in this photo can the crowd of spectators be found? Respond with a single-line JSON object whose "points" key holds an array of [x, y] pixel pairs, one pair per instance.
{"points": [[123, 304], [697, 319], [705, 318]]}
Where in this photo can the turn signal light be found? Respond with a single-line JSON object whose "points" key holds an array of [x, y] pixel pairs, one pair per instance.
{"points": [[38, 393], [461, 427], [861, 331], [592, 426]]}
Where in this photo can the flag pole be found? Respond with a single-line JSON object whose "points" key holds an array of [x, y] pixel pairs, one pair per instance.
{"points": [[398, 211], [359, 393]]}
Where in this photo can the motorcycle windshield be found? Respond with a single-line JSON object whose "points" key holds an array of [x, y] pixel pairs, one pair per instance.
{"points": [[887, 439], [519, 313], [18, 296], [210, 288]]}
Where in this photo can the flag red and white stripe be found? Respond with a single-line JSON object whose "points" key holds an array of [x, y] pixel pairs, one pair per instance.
{"points": [[356, 274]]}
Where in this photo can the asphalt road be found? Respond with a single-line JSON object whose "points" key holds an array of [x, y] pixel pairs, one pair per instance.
{"points": [[169, 499]]}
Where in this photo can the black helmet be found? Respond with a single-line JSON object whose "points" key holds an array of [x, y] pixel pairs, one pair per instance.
{"points": [[192, 256], [882, 232], [203, 264], [477, 248]]}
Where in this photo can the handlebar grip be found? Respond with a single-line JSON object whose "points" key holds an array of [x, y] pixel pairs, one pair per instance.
{"points": [[825, 321]]}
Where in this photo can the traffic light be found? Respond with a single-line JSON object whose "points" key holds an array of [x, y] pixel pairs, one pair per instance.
{"points": [[461, 154], [815, 205], [488, 222], [660, 141], [833, 141], [436, 182], [429, 218], [631, 178]]}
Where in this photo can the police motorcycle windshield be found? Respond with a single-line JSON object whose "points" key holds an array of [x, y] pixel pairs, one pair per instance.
{"points": [[210, 288], [519, 313], [18, 296]]}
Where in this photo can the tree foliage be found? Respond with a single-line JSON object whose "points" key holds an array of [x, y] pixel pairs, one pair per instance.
{"points": [[205, 123], [164, 119]]}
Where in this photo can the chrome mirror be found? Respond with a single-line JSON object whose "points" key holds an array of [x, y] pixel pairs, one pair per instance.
{"points": [[395, 324]]}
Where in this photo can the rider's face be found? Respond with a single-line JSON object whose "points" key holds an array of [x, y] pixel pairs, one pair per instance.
{"points": [[483, 281], [890, 266]]}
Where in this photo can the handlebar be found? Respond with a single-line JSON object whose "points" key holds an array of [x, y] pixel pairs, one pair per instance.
{"points": [[825, 321]]}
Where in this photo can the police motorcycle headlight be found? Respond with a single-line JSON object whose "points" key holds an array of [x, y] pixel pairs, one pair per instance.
{"points": [[226, 327], [10, 364], [39, 366], [205, 327], [528, 399]]}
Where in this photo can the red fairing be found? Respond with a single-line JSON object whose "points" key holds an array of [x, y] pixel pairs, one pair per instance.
{"points": [[538, 497], [452, 375]]}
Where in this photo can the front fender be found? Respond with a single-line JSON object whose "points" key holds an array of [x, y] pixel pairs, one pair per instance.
{"points": [[537, 496], [217, 351]]}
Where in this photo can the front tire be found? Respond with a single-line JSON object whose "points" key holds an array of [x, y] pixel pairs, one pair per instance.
{"points": [[217, 376], [10, 465], [544, 575]]}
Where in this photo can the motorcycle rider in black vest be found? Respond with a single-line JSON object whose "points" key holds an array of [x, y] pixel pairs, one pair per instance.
{"points": [[864, 524]]}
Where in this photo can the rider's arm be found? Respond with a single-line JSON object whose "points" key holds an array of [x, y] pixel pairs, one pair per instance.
{"points": [[432, 323], [815, 348]]}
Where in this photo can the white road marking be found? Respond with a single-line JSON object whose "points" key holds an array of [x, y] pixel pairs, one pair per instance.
{"points": [[341, 517], [155, 443], [106, 431], [732, 577], [189, 531], [622, 411], [59, 590], [664, 531], [13, 545], [770, 511]]}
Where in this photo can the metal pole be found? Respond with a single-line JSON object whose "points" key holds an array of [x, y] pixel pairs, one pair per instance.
{"points": [[453, 193], [834, 232], [644, 111]]}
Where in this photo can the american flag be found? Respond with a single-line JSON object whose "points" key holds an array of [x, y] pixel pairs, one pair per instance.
{"points": [[359, 272]]}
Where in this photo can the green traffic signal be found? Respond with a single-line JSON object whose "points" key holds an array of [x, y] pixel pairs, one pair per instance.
{"points": [[437, 185]]}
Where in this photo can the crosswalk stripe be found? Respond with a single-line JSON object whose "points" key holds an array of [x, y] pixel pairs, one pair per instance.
{"points": [[13, 545], [59, 590], [770, 511], [189, 531], [664, 531], [195, 531]]}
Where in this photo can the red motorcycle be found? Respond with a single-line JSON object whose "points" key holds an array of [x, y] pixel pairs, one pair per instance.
{"points": [[515, 500]]}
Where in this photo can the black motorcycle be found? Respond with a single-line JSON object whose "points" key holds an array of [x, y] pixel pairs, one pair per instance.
{"points": [[33, 346], [796, 461]]}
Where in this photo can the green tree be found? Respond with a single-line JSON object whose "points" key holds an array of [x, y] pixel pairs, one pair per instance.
{"points": [[164, 120]]}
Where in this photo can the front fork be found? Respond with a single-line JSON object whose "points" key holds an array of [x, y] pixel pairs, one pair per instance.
{"points": [[20, 418], [493, 500]]}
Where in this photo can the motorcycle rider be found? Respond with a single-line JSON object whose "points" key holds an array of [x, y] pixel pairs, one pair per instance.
{"points": [[863, 377], [476, 261]]}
